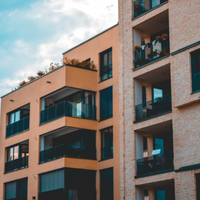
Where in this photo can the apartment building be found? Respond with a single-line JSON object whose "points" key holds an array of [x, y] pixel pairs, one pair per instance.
{"points": [[128, 129], [159, 101], [59, 133]]}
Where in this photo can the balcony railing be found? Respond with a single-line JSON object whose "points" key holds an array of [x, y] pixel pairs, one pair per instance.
{"points": [[155, 164], [151, 51], [196, 82], [52, 195], [70, 109], [67, 150], [17, 164], [143, 6], [153, 108], [106, 153], [17, 127]]}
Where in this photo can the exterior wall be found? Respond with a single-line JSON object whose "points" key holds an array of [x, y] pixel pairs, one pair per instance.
{"points": [[91, 50], [184, 30]]}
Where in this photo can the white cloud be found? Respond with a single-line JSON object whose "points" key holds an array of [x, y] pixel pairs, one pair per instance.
{"points": [[71, 22]]}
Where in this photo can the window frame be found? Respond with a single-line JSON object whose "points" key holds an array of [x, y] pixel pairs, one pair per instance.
{"points": [[108, 66]]}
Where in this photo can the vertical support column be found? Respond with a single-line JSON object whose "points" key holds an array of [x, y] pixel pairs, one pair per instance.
{"points": [[151, 194], [139, 193]]}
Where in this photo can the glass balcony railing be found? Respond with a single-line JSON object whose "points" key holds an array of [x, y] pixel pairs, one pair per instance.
{"points": [[143, 6], [150, 52], [57, 194], [16, 164], [17, 127], [68, 150], [153, 108], [155, 164], [70, 109], [106, 153]]}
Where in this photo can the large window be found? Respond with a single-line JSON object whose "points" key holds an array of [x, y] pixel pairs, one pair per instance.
{"points": [[106, 103], [106, 184], [107, 143], [195, 60], [106, 64], [16, 189]]}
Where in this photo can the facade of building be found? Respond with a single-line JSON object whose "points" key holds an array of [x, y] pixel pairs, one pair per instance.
{"points": [[159, 44], [59, 133], [128, 129]]}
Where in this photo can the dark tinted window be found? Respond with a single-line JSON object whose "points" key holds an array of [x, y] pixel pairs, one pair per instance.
{"points": [[106, 103], [106, 184], [195, 61], [106, 64], [107, 143]]}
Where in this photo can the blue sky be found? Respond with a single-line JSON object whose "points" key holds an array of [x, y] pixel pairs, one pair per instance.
{"points": [[34, 33]]}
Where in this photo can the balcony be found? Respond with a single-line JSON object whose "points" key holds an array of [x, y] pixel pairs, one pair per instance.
{"points": [[16, 164], [152, 51], [68, 142], [70, 109], [67, 150], [153, 108], [71, 102], [143, 6], [153, 164], [17, 127]]}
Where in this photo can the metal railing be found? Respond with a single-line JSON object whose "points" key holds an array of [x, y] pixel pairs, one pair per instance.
{"points": [[106, 153], [17, 127], [155, 163], [68, 150], [67, 108], [16, 164], [142, 6], [152, 108], [150, 52]]}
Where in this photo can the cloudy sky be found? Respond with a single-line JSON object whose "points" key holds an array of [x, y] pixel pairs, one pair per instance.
{"points": [[34, 33]]}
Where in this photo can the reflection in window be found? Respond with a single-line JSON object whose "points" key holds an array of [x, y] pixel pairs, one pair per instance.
{"points": [[106, 64]]}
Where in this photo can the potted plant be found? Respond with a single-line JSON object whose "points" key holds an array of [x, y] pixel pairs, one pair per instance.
{"points": [[153, 54], [164, 36], [137, 48], [158, 39]]}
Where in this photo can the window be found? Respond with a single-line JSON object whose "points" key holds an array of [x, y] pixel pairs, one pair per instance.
{"points": [[18, 151], [106, 64], [106, 184], [198, 186], [195, 61], [107, 143], [144, 144], [16, 189], [19, 114], [52, 181], [106, 103]]}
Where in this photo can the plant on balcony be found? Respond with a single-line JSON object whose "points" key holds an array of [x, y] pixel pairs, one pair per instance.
{"points": [[40, 73], [164, 52], [153, 54], [158, 38], [137, 48], [23, 83], [164, 36], [31, 78]]}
